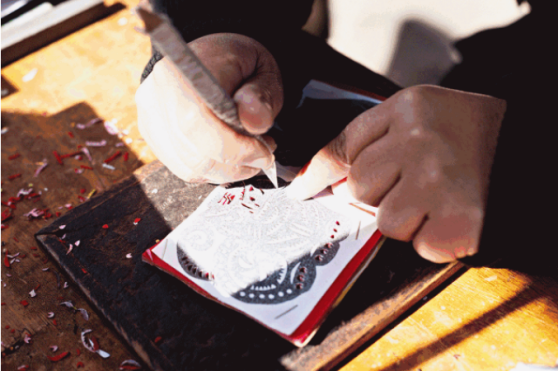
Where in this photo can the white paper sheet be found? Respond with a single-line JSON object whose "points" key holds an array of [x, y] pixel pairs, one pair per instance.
{"points": [[264, 254]]}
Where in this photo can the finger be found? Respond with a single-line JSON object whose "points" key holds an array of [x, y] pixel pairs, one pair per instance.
{"points": [[219, 173], [450, 235], [229, 58], [374, 172], [249, 73], [324, 169], [196, 124], [211, 170], [150, 114], [193, 124], [365, 129], [342, 192], [186, 163], [401, 213], [332, 163], [259, 101]]}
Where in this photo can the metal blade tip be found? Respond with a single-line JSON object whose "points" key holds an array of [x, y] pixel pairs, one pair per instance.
{"points": [[272, 174]]}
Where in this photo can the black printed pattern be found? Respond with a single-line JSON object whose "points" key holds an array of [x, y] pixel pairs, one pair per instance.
{"points": [[259, 246]]}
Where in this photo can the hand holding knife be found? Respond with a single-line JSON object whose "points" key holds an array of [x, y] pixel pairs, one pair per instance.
{"points": [[169, 42]]}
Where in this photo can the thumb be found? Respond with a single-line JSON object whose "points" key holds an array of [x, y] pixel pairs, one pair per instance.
{"points": [[259, 101], [328, 166]]}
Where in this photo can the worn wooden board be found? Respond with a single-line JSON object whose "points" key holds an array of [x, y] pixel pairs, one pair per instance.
{"points": [[63, 19], [143, 303]]}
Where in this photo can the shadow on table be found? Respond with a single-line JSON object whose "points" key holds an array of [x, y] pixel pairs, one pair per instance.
{"points": [[7, 88]]}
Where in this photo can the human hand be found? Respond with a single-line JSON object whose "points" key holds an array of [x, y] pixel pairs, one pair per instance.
{"points": [[424, 157], [187, 137]]}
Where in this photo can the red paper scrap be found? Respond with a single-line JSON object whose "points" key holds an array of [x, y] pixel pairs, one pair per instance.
{"points": [[112, 157], [58, 357], [58, 158]]}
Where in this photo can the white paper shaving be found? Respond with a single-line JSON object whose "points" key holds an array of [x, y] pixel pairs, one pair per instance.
{"points": [[110, 127], [30, 75], [96, 143], [84, 314], [103, 353], [88, 124], [130, 362], [68, 304]]}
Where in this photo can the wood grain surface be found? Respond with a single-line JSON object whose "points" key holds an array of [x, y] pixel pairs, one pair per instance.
{"points": [[492, 318]]}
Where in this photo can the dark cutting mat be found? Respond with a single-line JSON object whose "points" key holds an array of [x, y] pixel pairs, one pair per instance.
{"points": [[143, 303]]}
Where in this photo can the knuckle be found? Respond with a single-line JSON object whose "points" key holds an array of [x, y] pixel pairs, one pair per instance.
{"points": [[358, 189], [418, 134], [390, 226], [431, 171], [413, 103], [337, 150], [385, 224]]}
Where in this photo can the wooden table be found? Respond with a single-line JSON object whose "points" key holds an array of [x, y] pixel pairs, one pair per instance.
{"points": [[484, 319]]}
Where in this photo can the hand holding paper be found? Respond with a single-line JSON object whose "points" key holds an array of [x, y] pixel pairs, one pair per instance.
{"points": [[423, 157]]}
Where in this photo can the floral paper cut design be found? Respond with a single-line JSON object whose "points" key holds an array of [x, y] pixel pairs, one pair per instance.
{"points": [[259, 246]]}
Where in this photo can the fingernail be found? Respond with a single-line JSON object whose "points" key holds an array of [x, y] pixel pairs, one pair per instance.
{"points": [[295, 190], [428, 255], [304, 169], [262, 162], [255, 114], [460, 252], [342, 192], [472, 251]]}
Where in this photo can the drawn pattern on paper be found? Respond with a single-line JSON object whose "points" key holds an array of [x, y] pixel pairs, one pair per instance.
{"points": [[259, 246]]}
